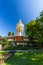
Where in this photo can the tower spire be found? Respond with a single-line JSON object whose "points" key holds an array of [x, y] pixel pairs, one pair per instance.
{"points": [[19, 28]]}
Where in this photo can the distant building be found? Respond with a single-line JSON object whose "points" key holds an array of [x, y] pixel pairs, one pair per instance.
{"points": [[19, 38]]}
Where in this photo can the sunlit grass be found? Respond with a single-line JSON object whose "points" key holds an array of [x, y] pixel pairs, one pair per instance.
{"points": [[26, 58]]}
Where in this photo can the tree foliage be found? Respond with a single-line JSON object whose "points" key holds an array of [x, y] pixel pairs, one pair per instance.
{"points": [[10, 33], [34, 28], [4, 42]]}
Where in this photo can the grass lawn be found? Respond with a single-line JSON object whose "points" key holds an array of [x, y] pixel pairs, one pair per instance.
{"points": [[26, 58], [3, 52]]}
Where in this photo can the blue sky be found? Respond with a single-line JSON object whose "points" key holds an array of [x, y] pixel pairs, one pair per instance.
{"points": [[13, 10]]}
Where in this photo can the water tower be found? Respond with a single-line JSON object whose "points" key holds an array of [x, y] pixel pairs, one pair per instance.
{"points": [[19, 28]]}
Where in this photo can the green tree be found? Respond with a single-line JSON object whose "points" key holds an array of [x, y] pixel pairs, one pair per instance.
{"points": [[34, 29], [4, 42], [10, 33], [30, 28]]}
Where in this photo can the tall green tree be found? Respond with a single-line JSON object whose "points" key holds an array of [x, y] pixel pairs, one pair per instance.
{"points": [[34, 28], [10, 33], [30, 28]]}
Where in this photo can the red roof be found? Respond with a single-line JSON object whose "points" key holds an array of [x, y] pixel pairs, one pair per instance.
{"points": [[19, 38]]}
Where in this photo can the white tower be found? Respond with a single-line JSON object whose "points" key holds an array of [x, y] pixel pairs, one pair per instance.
{"points": [[19, 28]]}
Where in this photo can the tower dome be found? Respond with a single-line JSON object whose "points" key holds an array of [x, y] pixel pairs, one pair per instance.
{"points": [[19, 28]]}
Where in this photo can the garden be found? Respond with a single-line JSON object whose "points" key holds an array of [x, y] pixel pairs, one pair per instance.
{"points": [[29, 55], [25, 58]]}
